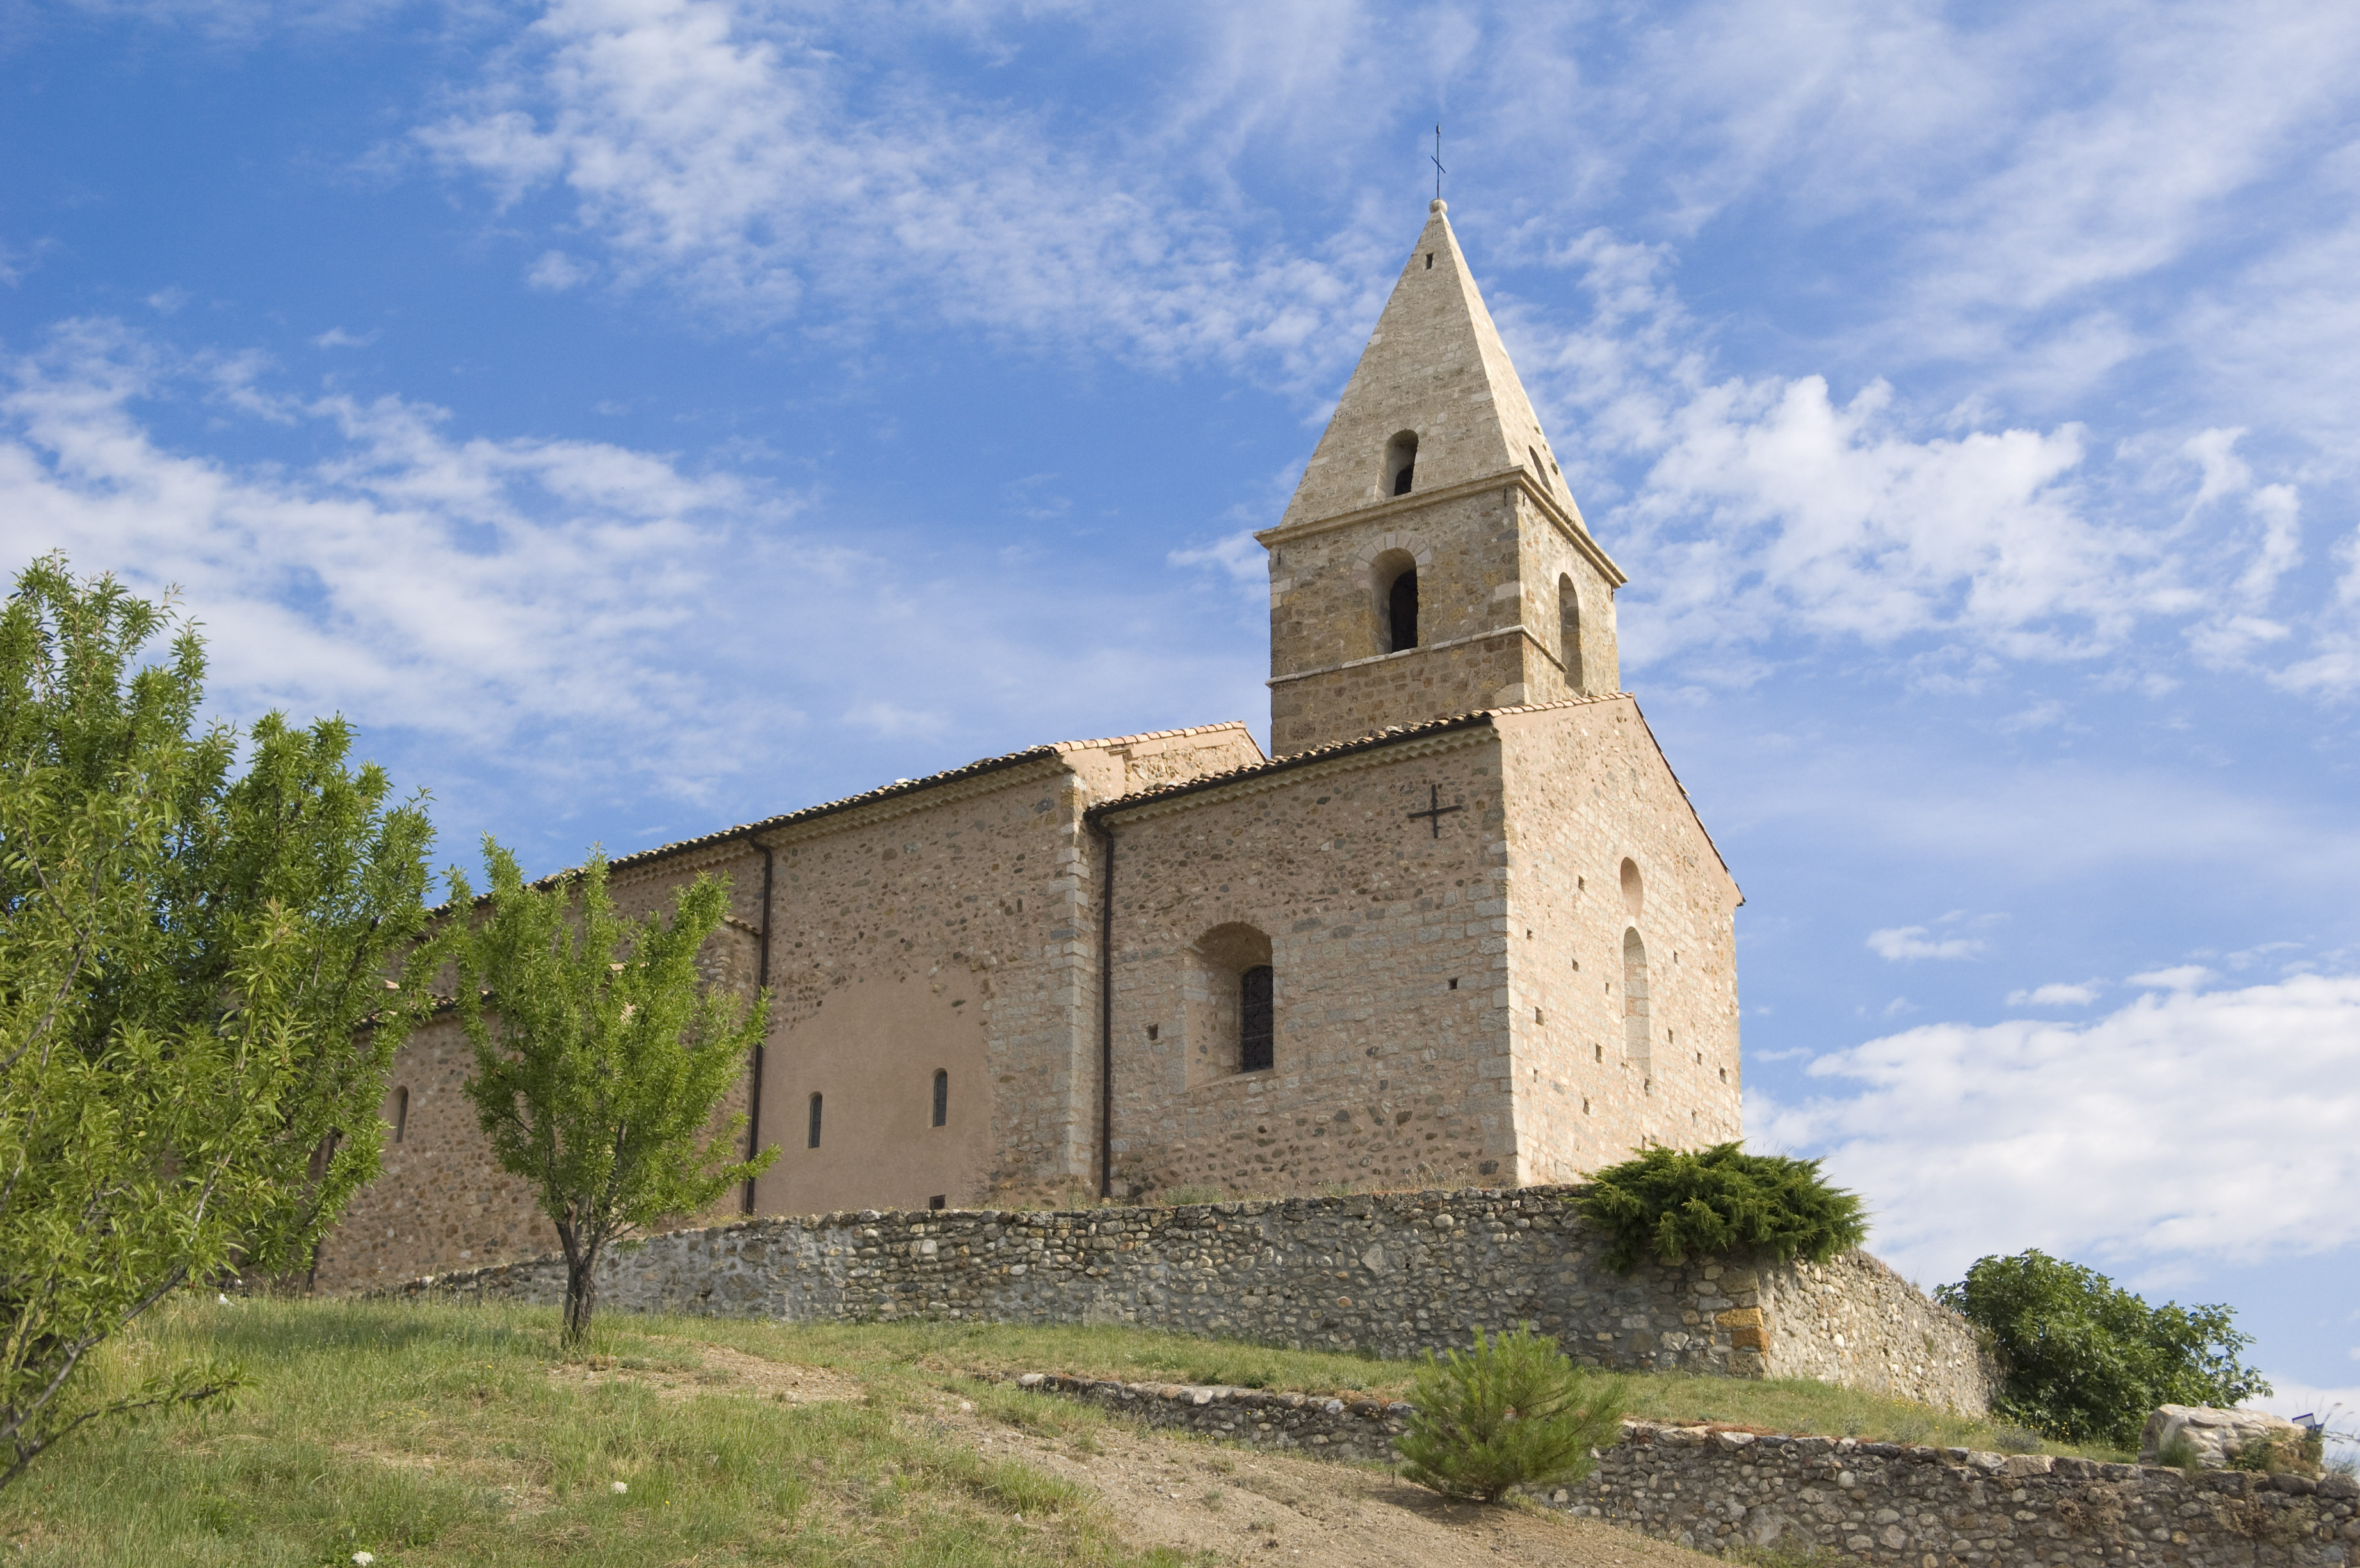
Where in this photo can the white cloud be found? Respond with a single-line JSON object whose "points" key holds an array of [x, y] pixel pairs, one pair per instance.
{"points": [[2181, 977], [2058, 994], [730, 153], [555, 272], [2218, 1124], [336, 337], [567, 609], [1905, 943], [468, 586], [1237, 554]]}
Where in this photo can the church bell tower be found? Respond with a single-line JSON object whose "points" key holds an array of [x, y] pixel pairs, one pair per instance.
{"points": [[1432, 561]]}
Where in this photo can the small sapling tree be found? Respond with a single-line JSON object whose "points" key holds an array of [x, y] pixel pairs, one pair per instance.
{"points": [[1512, 1411], [2087, 1360], [600, 1055], [1671, 1205], [196, 1017]]}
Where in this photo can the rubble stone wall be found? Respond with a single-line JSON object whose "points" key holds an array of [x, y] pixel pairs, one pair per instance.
{"points": [[1824, 1499], [1821, 1498], [1395, 1274]]}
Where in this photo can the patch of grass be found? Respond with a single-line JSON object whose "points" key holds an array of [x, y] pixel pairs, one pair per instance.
{"points": [[459, 1435], [1800, 1407]]}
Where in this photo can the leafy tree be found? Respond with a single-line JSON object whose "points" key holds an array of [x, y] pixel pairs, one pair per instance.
{"points": [[1673, 1205], [2086, 1359], [1512, 1411], [191, 961], [600, 1055]]}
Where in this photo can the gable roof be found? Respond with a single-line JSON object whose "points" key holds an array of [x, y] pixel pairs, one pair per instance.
{"points": [[1394, 735]]}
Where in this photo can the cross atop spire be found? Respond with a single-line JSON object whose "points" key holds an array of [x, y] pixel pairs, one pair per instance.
{"points": [[1436, 161]]}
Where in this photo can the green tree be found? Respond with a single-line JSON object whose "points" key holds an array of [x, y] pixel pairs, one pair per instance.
{"points": [[196, 1017], [2086, 1359], [1512, 1411], [1672, 1205], [600, 1055]]}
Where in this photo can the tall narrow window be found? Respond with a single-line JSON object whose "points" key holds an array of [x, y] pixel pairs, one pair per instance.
{"points": [[1401, 463], [1401, 611], [1636, 1037], [811, 1139], [1568, 632], [400, 1114], [942, 1097], [1256, 1032]]}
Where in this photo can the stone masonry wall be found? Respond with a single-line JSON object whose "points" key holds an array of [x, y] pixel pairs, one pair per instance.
{"points": [[1588, 790], [1829, 1499], [1388, 1066], [1898, 1507], [1395, 1274]]}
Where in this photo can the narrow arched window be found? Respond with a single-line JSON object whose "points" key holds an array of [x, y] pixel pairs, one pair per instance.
{"points": [[400, 1114], [1636, 1037], [811, 1137], [1401, 611], [1401, 463], [942, 1097], [1257, 1035], [1568, 632]]}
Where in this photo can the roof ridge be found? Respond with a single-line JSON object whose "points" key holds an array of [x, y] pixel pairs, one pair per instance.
{"points": [[1063, 745]]}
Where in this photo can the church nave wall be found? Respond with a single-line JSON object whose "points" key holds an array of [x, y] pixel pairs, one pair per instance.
{"points": [[1384, 1074]]}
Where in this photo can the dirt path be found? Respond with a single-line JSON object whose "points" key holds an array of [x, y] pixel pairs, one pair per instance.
{"points": [[1242, 1506]]}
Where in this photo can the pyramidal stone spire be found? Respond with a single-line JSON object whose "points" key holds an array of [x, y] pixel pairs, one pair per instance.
{"points": [[1434, 369]]}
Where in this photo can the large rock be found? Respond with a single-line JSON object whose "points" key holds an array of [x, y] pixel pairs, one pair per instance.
{"points": [[2214, 1437]]}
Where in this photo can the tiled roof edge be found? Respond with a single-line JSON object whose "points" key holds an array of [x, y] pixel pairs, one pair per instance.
{"points": [[1293, 759]]}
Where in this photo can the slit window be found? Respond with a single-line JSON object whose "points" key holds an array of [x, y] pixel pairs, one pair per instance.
{"points": [[1401, 463], [811, 1136], [400, 1114], [941, 1098], [1256, 1036], [1568, 632]]}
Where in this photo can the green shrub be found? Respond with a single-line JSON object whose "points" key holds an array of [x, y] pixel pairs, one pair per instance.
{"points": [[2086, 1360], [1673, 1205], [1512, 1411]]}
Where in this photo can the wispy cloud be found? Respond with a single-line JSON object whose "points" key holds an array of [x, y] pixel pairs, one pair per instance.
{"points": [[2074, 1138], [2058, 994]]}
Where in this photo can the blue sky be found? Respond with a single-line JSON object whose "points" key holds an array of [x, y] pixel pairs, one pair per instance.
{"points": [[644, 416]]}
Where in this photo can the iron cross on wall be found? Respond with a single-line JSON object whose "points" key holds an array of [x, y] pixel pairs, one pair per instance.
{"points": [[1434, 811]]}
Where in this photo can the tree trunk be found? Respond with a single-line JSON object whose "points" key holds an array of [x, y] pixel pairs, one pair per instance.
{"points": [[581, 1287]]}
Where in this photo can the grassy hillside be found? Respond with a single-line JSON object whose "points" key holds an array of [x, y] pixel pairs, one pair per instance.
{"points": [[458, 1435]]}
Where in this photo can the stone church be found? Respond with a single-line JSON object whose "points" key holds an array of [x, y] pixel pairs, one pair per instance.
{"points": [[1462, 928]]}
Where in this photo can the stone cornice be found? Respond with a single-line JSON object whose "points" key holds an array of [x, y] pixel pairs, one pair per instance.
{"points": [[1519, 478], [1515, 628]]}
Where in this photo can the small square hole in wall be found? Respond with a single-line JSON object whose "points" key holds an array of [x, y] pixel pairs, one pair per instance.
{"points": [[939, 1201], [1453, 984], [1598, 1053], [1536, 1017], [1724, 1074], [1576, 966], [1585, 1104], [1151, 1030]]}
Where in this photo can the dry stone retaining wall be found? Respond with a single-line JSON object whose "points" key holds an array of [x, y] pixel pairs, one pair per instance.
{"points": [[1822, 1499], [1394, 1273], [1898, 1507]]}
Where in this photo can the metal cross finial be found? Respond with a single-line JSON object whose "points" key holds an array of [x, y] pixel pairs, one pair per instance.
{"points": [[1436, 161]]}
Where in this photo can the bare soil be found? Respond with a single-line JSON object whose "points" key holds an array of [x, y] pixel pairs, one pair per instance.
{"points": [[1221, 1503]]}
